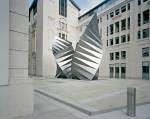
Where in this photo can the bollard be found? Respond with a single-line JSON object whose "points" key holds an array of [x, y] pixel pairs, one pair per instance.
{"points": [[131, 102]]}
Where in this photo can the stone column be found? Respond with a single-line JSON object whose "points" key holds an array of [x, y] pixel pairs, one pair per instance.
{"points": [[16, 96]]}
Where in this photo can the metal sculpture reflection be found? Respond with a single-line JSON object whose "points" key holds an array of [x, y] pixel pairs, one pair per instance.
{"points": [[88, 54], [63, 52], [85, 61]]}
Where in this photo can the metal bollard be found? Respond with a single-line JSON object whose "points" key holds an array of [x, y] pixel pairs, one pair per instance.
{"points": [[131, 102]]}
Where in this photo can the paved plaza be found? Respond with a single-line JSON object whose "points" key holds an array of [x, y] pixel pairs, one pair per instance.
{"points": [[93, 97], [47, 108]]}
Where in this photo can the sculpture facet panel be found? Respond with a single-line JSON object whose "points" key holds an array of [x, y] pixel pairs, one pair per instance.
{"points": [[63, 51], [88, 53], [84, 62]]}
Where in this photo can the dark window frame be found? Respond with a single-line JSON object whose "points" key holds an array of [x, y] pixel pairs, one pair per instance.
{"points": [[111, 29], [117, 11], [117, 40], [146, 16], [146, 33], [111, 14], [123, 54], [139, 19], [111, 56], [146, 52], [117, 24], [123, 9], [117, 55], [123, 38], [123, 24], [111, 41]]}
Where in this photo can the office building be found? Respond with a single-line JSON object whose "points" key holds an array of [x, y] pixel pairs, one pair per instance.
{"points": [[124, 26]]}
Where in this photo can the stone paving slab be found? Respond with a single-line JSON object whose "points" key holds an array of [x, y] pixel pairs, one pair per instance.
{"points": [[93, 97]]}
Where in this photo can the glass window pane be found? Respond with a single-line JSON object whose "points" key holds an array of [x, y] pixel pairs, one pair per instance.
{"points": [[123, 71], [146, 33], [111, 29], [116, 71], [145, 52], [146, 70], [123, 9], [117, 55], [123, 24], [146, 15], [117, 12], [123, 54], [117, 27], [123, 39], [117, 40]]}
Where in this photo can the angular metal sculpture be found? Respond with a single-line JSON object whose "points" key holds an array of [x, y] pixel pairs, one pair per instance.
{"points": [[63, 52], [85, 61], [88, 54]]}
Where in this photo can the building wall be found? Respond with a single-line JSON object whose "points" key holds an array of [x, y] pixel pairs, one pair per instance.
{"points": [[13, 99], [4, 44], [133, 47]]}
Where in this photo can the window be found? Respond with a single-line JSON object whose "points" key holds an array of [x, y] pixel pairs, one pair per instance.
{"points": [[123, 71], [117, 27], [111, 56], [128, 6], [117, 12], [116, 70], [107, 17], [139, 2], [117, 40], [111, 29], [62, 26], [107, 43], [117, 55], [139, 19], [128, 22], [63, 36], [107, 30], [111, 70], [139, 34], [146, 33], [123, 9], [63, 8], [145, 0], [111, 41], [123, 54], [128, 36], [146, 17], [146, 52], [123, 39], [59, 35], [145, 70], [123, 24], [112, 14]]}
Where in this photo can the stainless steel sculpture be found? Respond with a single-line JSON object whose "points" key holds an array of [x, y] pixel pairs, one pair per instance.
{"points": [[85, 61], [63, 52], [88, 54]]}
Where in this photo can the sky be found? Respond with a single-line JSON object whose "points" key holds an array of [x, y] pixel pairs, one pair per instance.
{"points": [[85, 5]]}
